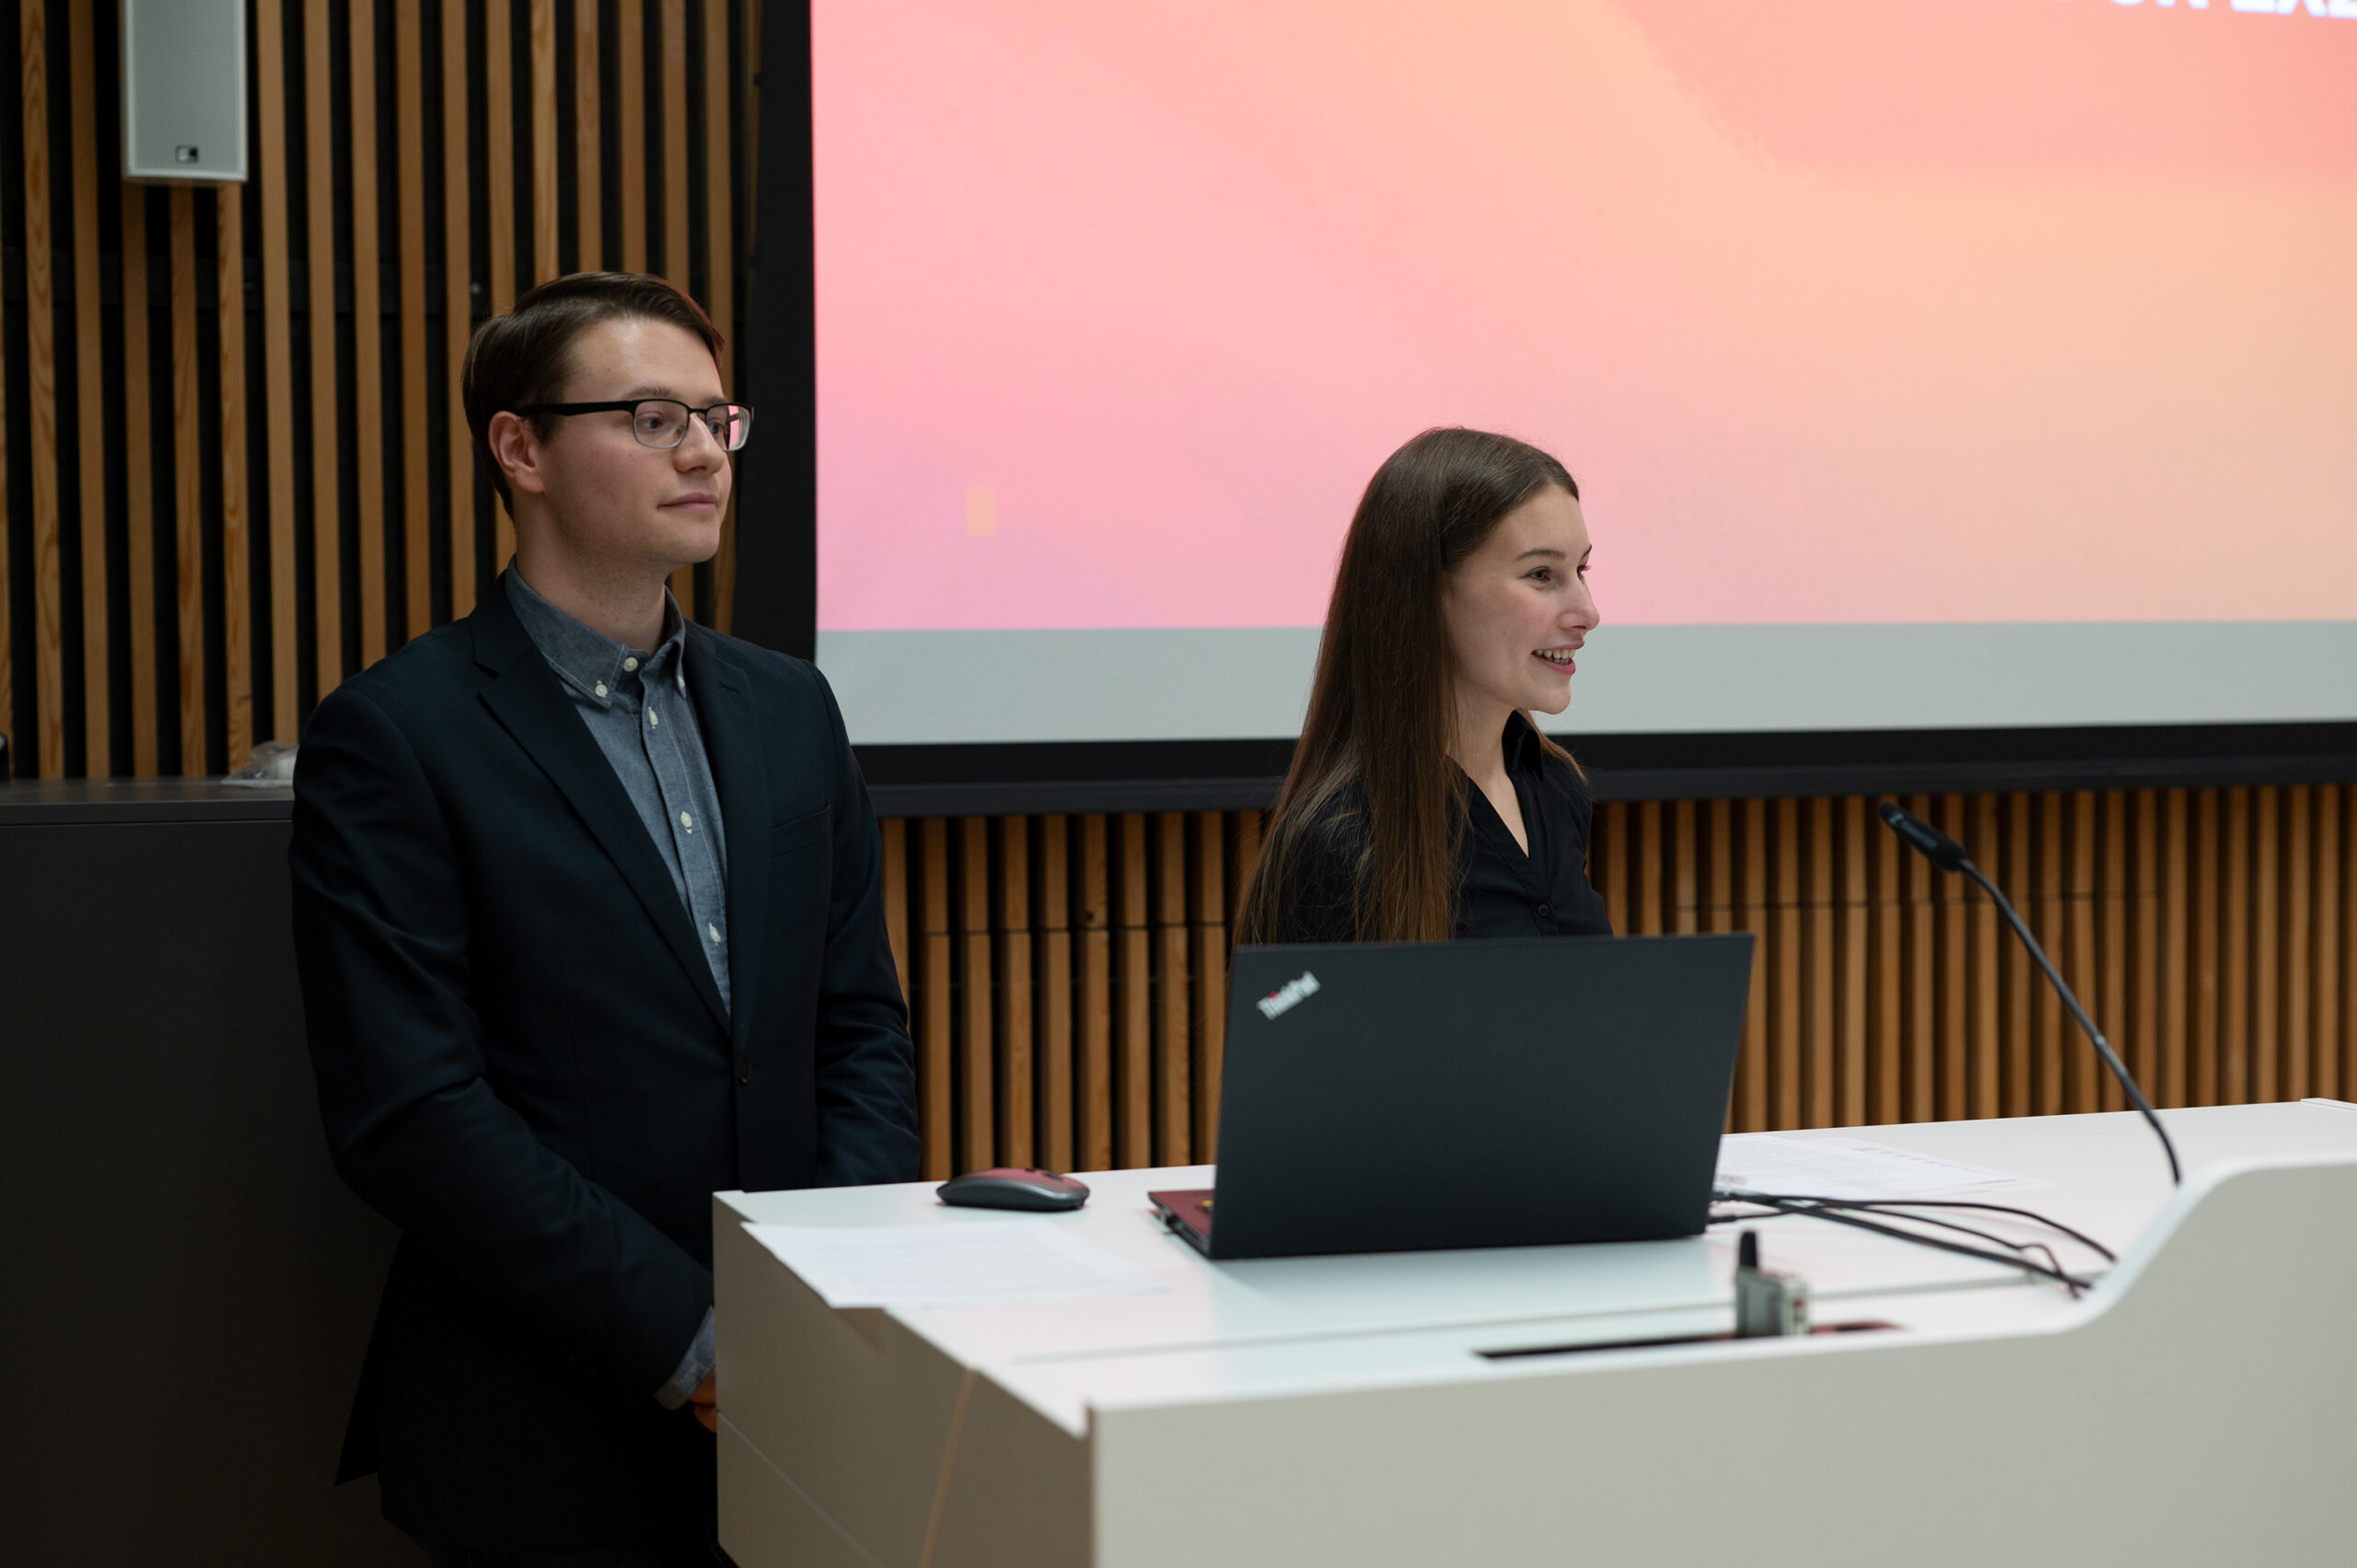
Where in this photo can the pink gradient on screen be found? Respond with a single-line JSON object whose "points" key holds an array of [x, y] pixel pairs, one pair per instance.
{"points": [[1841, 310]]}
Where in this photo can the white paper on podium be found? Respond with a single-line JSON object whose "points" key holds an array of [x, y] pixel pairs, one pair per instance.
{"points": [[1852, 1168], [977, 1262]]}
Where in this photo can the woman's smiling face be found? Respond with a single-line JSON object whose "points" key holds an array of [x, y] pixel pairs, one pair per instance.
{"points": [[1518, 609]]}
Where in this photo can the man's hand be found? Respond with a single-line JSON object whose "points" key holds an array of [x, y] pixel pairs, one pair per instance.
{"points": [[706, 1402]]}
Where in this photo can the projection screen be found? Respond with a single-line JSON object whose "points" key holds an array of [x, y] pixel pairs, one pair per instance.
{"points": [[1922, 363]]}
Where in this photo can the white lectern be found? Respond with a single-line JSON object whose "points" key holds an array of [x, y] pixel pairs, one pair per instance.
{"points": [[2199, 1407]]}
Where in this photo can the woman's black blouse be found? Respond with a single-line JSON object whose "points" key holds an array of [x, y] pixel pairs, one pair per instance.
{"points": [[1501, 891]]}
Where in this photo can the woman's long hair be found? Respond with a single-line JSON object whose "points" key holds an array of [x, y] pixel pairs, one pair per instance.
{"points": [[1380, 706]]}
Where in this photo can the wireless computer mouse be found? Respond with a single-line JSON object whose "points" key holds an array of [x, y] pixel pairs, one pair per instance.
{"points": [[1004, 1187]]}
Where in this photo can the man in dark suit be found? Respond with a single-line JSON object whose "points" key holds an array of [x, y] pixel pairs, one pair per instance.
{"points": [[588, 911]]}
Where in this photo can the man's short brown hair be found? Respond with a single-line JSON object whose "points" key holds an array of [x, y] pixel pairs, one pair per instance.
{"points": [[523, 357]]}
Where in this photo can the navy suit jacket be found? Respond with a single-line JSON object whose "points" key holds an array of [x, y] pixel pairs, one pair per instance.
{"points": [[523, 1062]]}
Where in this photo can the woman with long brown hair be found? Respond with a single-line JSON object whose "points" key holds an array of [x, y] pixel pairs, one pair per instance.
{"points": [[1423, 803]]}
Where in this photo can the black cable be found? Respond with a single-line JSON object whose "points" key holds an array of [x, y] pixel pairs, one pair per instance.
{"points": [[2081, 1237], [1990, 1237], [2071, 1282]]}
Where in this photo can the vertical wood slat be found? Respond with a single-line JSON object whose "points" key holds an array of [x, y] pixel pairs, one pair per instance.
{"points": [[1752, 1084], [1719, 912], [139, 558], [977, 1125], [2049, 1096], [671, 113], [236, 634], [2177, 945], [1094, 1069], [1648, 858], [2299, 840], [589, 132], [1612, 839], [278, 365], [2144, 1025], [1209, 973], [1055, 1009], [368, 330], [2343, 871], [2017, 981], [1950, 921], [1174, 1142], [1921, 945], [720, 250], [1985, 1074], [2325, 948], [630, 130], [935, 1106], [41, 384], [1248, 859], [188, 496], [417, 501], [499, 149], [1785, 1059], [1133, 1040], [2076, 927], [1688, 891], [319, 171], [457, 307], [499, 197], [90, 419], [674, 114], [2234, 1003], [1889, 979], [2110, 961], [2266, 1018], [1015, 1014], [547, 260], [1850, 1109], [2201, 1084], [1818, 1010]]}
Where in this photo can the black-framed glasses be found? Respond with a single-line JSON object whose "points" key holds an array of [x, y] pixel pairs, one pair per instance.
{"points": [[662, 423]]}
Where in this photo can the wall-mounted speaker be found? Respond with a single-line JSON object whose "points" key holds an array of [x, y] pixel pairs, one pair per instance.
{"points": [[184, 90]]}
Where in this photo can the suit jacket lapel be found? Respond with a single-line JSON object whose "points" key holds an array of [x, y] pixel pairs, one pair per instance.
{"points": [[527, 699], [732, 744]]}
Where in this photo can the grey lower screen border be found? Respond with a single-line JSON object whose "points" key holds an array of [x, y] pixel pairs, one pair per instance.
{"points": [[951, 687]]}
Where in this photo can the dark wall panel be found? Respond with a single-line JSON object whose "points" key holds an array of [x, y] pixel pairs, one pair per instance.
{"points": [[189, 1286]]}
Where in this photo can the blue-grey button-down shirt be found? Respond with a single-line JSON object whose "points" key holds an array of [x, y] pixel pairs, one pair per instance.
{"points": [[635, 702]]}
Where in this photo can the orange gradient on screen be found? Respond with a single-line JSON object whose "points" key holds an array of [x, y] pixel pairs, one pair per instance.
{"points": [[1841, 310]]}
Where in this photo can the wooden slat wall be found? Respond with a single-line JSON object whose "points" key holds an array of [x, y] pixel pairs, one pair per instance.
{"points": [[210, 528], [1068, 989]]}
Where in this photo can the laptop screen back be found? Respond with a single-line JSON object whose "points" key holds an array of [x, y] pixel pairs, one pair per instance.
{"points": [[1384, 1097]]}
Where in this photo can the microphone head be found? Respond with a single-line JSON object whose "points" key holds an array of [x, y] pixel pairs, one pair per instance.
{"points": [[1925, 840]]}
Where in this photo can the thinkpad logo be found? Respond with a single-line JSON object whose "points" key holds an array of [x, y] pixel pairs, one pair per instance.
{"points": [[1287, 994]]}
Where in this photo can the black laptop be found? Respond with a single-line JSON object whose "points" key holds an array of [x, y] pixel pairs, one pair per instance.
{"points": [[1400, 1096]]}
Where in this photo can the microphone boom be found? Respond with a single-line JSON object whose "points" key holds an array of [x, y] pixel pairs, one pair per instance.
{"points": [[1948, 855]]}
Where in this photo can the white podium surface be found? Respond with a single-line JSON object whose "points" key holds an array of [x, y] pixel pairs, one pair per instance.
{"points": [[2198, 1405]]}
